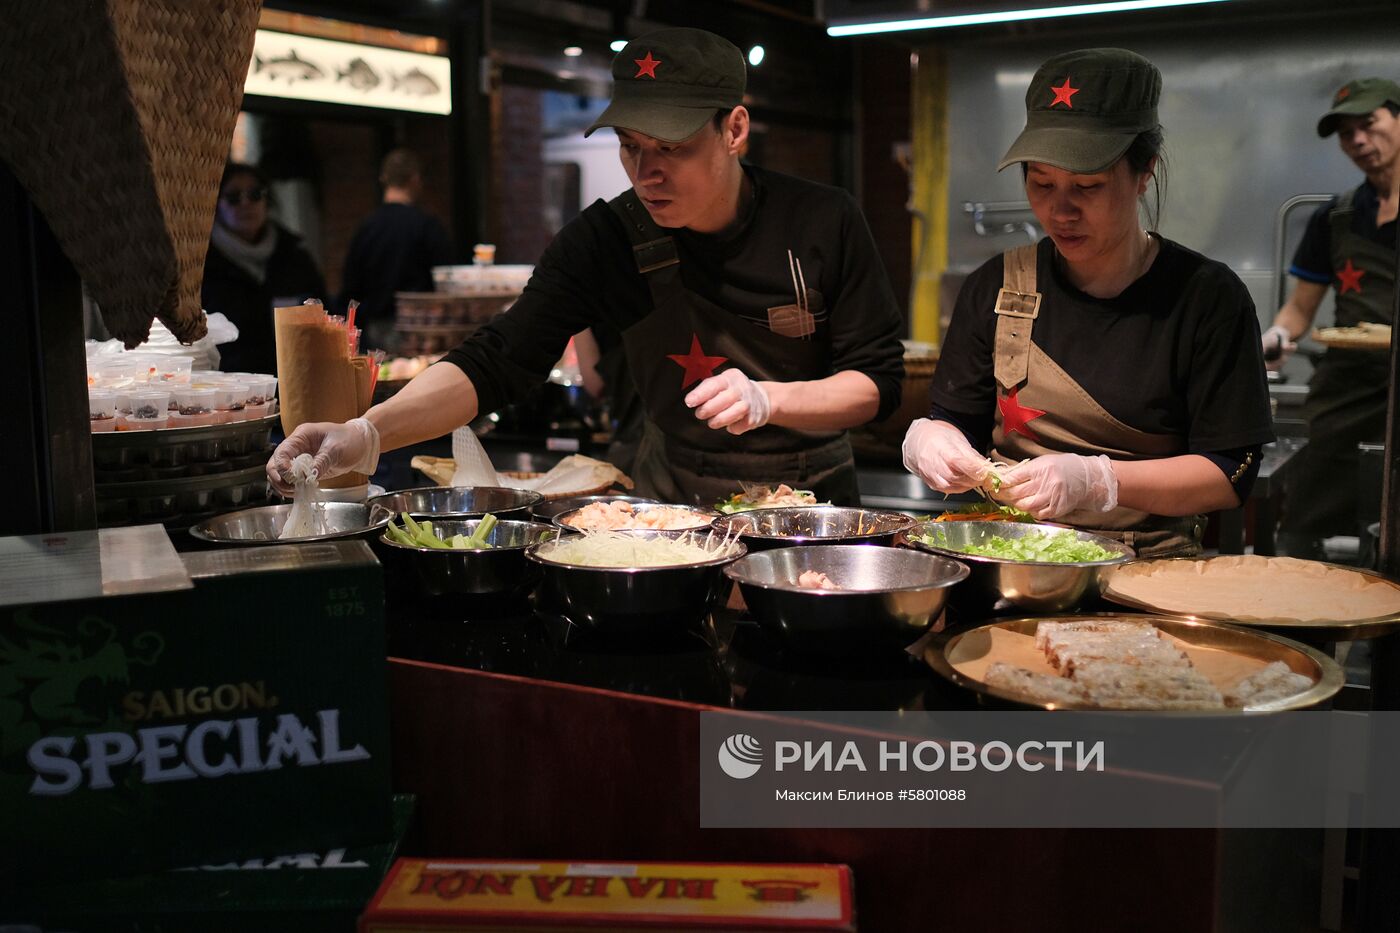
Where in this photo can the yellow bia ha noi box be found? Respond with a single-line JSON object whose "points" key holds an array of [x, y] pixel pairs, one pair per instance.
{"points": [[431, 896]]}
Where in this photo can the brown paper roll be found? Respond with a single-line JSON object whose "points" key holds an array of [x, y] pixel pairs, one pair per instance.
{"points": [[318, 380]]}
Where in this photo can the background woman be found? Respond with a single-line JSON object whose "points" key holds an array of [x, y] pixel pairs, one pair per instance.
{"points": [[254, 264], [1123, 368]]}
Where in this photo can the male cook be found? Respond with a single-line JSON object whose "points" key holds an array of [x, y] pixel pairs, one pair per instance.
{"points": [[756, 316]]}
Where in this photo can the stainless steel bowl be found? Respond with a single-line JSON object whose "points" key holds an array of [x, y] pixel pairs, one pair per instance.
{"points": [[262, 525], [635, 599], [456, 502], [1038, 586], [815, 524], [703, 517], [547, 510], [888, 597], [500, 569]]}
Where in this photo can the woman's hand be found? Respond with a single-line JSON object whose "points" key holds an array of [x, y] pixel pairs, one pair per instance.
{"points": [[939, 454], [1058, 484]]}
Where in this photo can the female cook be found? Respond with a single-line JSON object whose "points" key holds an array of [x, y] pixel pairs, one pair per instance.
{"points": [[1118, 371]]}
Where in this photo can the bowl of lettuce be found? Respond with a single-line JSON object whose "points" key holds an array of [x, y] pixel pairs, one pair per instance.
{"points": [[1023, 565]]}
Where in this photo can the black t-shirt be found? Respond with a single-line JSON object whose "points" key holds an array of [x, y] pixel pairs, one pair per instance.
{"points": [[588, 274], [1312, 261], [1176, 353], [394, 250]]}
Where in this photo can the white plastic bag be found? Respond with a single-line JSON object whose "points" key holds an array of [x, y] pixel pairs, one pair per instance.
{"points": [[203, 352], [307, 517]]}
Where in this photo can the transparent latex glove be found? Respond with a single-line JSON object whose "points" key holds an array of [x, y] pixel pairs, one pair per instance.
{"points": [[730, 400], [1278, 346], [1057, 484], [939, 454], [352, 447]]}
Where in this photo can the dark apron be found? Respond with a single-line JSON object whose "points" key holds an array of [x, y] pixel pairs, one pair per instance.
{"points": [[687, 338], [1348, 392], [1070, 421]]}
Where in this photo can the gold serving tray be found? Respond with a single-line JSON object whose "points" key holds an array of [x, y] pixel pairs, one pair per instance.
{"points": [[1223, 653], [1331, 630], [1365, 336]]}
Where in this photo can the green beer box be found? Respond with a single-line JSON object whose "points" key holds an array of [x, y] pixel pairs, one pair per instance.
{"points": [[245, 715], [302, 892]]}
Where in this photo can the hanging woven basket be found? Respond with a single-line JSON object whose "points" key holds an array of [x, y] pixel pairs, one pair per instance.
{"points": [[116, 116]]}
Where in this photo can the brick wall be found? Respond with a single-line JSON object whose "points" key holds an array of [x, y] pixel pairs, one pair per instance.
{"points": [[349, 155], [349, 158], [521, 235]]}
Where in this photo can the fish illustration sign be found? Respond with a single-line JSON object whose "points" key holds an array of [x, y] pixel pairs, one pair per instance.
{"points": [[329, 71], [168, 729]]}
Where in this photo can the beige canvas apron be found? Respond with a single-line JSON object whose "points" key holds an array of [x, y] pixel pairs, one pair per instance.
{"points": [[1070, 420]]}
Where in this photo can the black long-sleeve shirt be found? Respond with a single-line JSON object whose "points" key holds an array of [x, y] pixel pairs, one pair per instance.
{"points": [[394, 250], [588, 274]]}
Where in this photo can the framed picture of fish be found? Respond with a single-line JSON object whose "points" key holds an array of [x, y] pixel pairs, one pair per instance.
{"points": [[308, 68]]}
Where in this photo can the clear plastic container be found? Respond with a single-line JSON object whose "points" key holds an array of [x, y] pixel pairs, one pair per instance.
{"points": [[174, 370], [123, 400], [194, 406], [150, 408], [159, 369], [230, 402], [102, 409], [262, 396], [116, 375]]}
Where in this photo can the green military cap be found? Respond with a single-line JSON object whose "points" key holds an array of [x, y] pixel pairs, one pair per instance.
{"points": [[669, 83], [1085, 108], [1356, 98]]}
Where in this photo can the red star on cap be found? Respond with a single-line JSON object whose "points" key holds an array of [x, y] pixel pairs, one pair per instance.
{"points": [[1349, 278], [1015, 416], [646, 66], [1063, 93], [1342, 95], [696, 364]]}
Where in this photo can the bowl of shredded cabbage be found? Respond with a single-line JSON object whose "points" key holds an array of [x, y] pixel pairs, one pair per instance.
{"points": [[635, 581], [1038, 567]]}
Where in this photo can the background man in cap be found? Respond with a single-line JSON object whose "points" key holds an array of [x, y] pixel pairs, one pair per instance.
{"points": [[756, 316], [1350, 246], [394, 249]]}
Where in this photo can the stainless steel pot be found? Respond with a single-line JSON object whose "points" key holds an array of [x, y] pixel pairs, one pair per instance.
{"points": [[816, 524], [455, 502], [547, 510], [262, 525], [499, 569], [887, 597], [635, 599], [1037, 586]]}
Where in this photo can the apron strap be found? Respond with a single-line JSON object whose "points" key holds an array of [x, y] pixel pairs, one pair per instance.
{"points": [[653, 250], [1018, 305]]}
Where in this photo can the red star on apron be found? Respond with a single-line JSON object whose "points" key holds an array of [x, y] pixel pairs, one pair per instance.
{"points": [[1349, 279], [1063, 93], [696, 364], [1015, 417], [646, 66]]}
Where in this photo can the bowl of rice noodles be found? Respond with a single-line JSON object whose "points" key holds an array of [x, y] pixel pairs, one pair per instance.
{"points": [[267, 524], [635, 581]]}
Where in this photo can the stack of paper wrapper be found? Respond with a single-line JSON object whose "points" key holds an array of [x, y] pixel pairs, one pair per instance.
{"points": [[319, 380]]}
